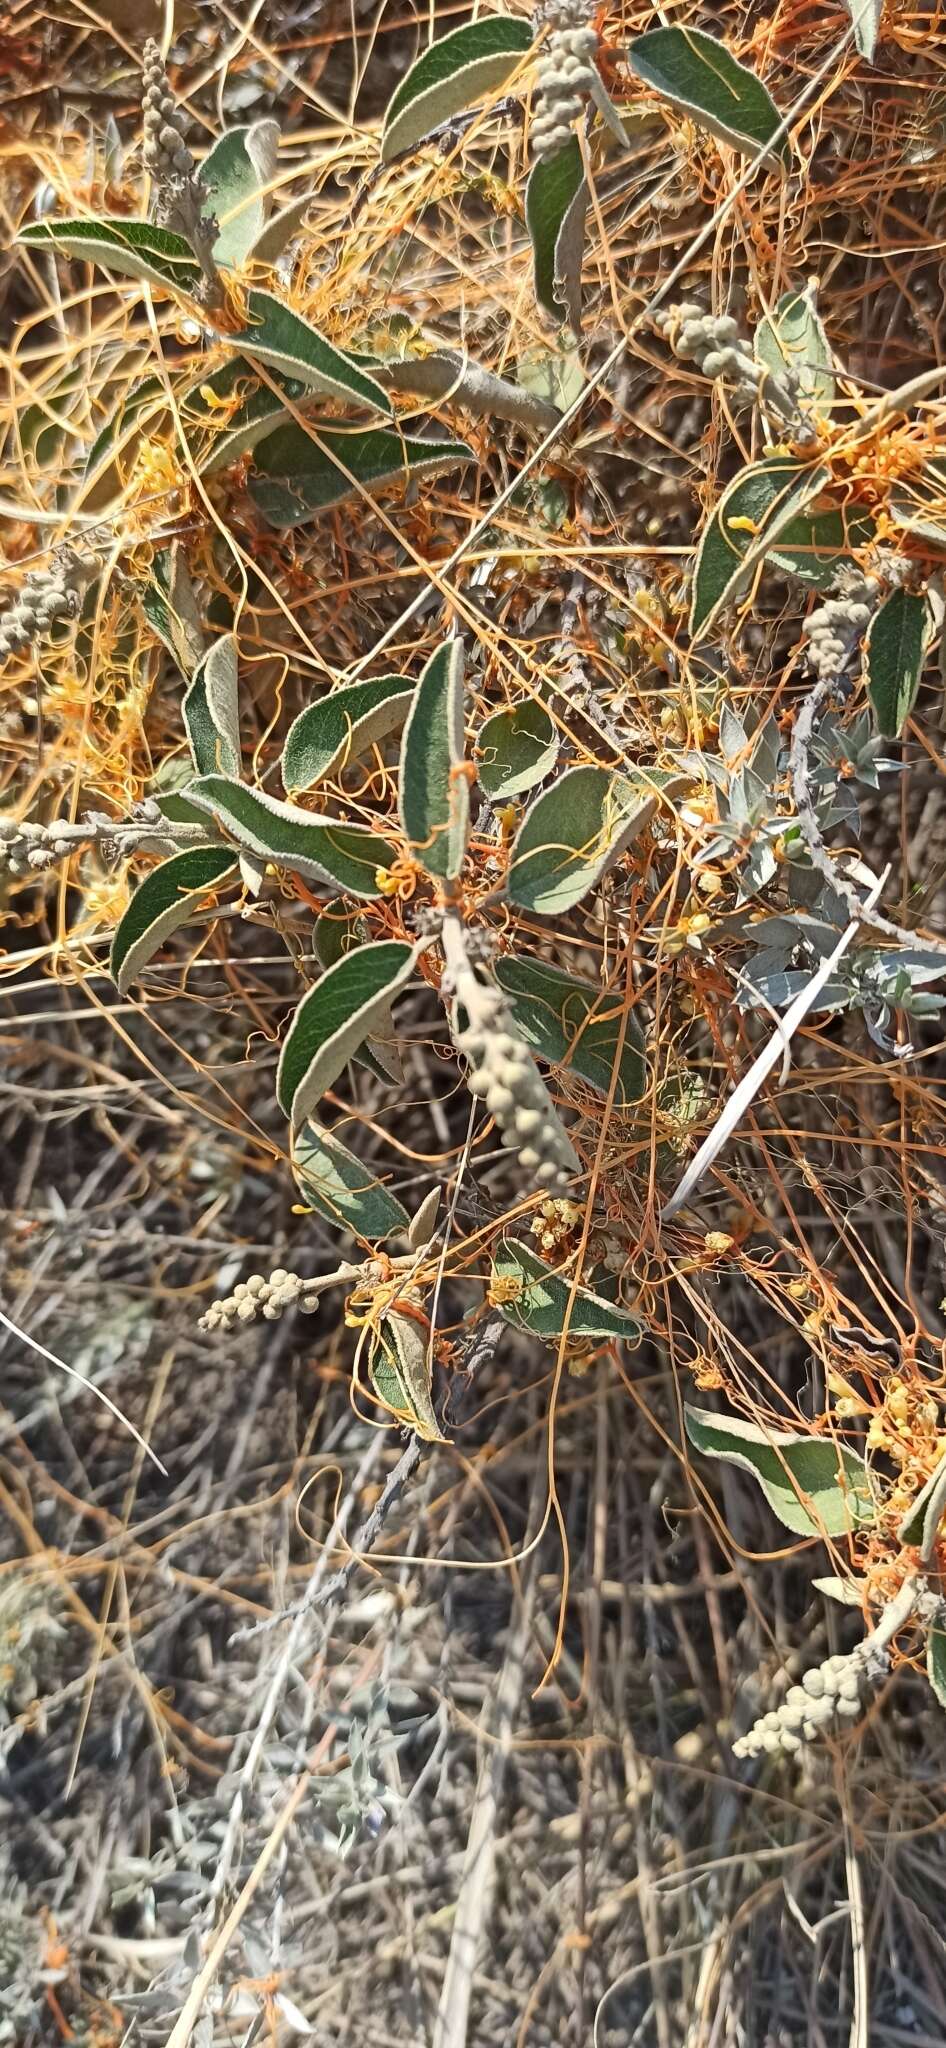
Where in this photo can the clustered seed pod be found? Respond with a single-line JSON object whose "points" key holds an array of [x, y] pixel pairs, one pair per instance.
{"points": [[166, 150], [179, 195], [258, 1296], [28, 848], [566, 74], [714, 343], [47, 596], [834, 630], [828, 1694], [503, 1072]]}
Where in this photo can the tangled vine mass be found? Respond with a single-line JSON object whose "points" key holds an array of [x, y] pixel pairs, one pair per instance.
{"points": [[474, 622]]}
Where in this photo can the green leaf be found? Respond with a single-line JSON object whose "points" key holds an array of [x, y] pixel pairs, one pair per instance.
{"points": [[342, 1189], [920, 1524], [816, 1487], [553, 374], [815, 545], [234, 170], [336, 730], [333, 1020], [338, 931], [324, 849], [211, 711], [573, 1024], [167, 898], [169, 603], [44, 427], [918, 510], [452, 74], [434, 798], [399, 1368], [139, 407], [280, 337], [131, 248], [768, 495], [515, 749], [245, 412], [936, 1663], [866, 16], [557, 199], [279, 231], [794, 339], [897, 639], [173, 805], [697, 73], [572, 834], [298, 477], [542, 1302]]}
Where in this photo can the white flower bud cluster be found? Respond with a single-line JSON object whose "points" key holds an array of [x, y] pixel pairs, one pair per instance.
{"points": [[31, 849], [714, 343], [47, 596], [566, 74], [258, 1296], [834, 629], [829, 1694]]}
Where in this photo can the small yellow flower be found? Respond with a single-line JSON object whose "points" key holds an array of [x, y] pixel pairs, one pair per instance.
{"points": [[718, 1241]]}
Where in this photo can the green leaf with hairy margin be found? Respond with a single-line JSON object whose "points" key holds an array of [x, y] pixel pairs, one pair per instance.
{"points": [[212, 713], [434, 795], [767, 495], [167, 898], [452, 74], [298, 477], [793, 338], [697, 74], [920, 1524], [516, 749], [343, 1189], [338, 931], [334, 1019], [897, 639], [936, 1663], [130, 248], [245, 412], [324, 849], [816, 1487], [866, 16], [234, 171], [336, 730], [276, 335], [557, 199], [574, 1024], [542, 1302], [399, 1368], [169, 603], [279, 231], [815, 545], [574, 831]]}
